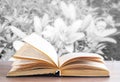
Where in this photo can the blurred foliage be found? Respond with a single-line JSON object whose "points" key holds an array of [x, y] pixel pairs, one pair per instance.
{"points": [[20, 13]]}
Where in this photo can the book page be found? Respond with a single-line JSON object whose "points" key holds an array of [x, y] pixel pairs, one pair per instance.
{"points": [[63, 59], [25, 62], [28, 52], [85, 68], [42, 45], [85, 65]]}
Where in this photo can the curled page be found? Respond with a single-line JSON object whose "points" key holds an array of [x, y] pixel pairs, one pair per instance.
{"points": [[42, 45]]}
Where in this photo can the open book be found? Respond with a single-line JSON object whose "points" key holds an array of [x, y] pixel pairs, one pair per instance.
{"points": [[37, 57]]}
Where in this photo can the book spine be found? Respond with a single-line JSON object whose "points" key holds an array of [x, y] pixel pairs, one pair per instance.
{"points": [[57, 74]]}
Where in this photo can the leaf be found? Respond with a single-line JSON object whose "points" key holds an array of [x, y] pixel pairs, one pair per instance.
{"points": [[37, 25], [101, 24], [100, 52], [1, 29], [45, 20], [18, 44], [1, 38], [48, 32], [9, 18], [72, 11], [75, 26], [101, 46], [91, 29], [1, 49], [117, 25], [69, 11], [107, 39], [105, 32], [69, 48], [13, 3], [64, 9], [74, 37], [86, 22], [110, 20], [15, 13], [10, 3], [49, 28], [59, 24], [17, 31], [2, 26]]}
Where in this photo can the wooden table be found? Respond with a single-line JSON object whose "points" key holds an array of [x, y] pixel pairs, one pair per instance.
{"points": [[114, 67]]}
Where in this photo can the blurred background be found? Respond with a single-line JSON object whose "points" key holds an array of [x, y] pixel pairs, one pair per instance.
{"points": [[19, 13]]}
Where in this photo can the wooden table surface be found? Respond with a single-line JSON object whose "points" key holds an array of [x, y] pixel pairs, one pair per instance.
{"points": [[113, 66]]}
